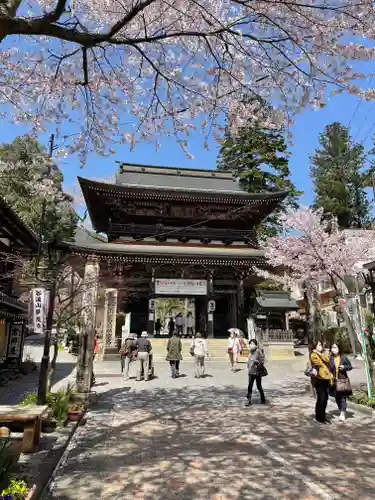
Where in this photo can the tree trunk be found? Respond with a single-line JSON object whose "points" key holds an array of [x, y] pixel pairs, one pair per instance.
{"points": [[81, 361], [52, 369], [312, 313]]}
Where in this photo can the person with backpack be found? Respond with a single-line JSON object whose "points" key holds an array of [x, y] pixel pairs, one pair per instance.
{"points": [[126, 353], [199, 350], [322, 379]]}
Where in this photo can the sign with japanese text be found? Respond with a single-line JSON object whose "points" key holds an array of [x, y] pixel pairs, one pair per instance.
{"points": [[15, 340], [211, 306], [125, 329], [38, 309], [110, 311], [180, 287]]}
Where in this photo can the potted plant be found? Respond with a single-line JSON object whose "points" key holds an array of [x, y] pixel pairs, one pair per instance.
{"points": [[76, 412]]}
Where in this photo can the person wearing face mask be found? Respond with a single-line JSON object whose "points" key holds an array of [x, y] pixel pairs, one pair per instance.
{"points": [[339, 366], [257, 370], [323, 382]]}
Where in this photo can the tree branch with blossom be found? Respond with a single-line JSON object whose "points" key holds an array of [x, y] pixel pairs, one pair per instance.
{"points": [[133, 70]]}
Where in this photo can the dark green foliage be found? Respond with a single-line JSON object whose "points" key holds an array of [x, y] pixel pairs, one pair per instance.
{"points": [[25, 167], [340, 176], [259, 157], [338, 335]]}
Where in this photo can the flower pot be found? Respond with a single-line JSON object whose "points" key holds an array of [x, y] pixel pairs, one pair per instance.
{"points": [[75, 415]]}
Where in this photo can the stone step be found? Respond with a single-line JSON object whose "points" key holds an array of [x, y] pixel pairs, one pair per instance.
{"points": [[217, 349]]}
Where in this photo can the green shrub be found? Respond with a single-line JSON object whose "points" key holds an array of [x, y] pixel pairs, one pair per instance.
{"points": [[57, 401], [361, 398], [29, 399], [6, 458], [17, 490]]}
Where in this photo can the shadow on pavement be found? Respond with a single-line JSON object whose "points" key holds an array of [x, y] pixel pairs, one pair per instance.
{"points": [[200, 443], [15, 390]]}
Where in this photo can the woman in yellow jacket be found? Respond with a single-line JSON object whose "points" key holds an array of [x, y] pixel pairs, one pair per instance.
{"points": [[323, 381]]}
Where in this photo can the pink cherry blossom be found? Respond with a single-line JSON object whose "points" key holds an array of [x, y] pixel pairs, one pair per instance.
{"points": [[105, 72], [313, 249]]}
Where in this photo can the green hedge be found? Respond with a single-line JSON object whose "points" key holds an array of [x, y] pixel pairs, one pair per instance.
{"points": [[339, 336]]}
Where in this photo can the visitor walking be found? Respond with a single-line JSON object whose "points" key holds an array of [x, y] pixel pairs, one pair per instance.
{"points": [[157, 327], [322, 382], [174, 354], [126, 353], [234, 348], [180, 324], [171, 326], [190, 325], [143, 346], [339, 366], [94, 355], [257, 371], [199, 349]]}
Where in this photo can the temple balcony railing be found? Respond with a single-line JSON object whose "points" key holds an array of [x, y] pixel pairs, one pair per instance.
{"points": [[164, 233], [277, 335]]}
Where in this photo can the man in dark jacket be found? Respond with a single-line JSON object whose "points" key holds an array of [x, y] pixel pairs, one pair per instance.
{"points": [[174, 356], [126, 353], [143, 346]]}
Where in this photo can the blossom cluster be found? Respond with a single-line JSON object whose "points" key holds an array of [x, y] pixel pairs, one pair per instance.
{"points": [[313, 248], [123, 72]]}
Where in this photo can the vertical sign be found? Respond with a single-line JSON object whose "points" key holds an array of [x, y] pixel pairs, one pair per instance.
{"points": [[16, 331], [110, 310], [125, 330], [38, 309]]}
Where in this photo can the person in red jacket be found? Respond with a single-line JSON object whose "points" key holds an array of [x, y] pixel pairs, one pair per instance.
{"points": [[96, 350]]}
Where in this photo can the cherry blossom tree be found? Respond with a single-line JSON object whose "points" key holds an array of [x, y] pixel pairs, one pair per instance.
{"points": [[123, 71], [313, 249]]}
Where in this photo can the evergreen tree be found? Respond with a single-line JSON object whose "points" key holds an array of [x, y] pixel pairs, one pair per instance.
{"points": [[260, 159], [340, 176], [32, 185]]}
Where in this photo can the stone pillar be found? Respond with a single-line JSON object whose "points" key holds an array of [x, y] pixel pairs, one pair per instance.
{"points": [[110, 312], [86, 348], [287, 321]]}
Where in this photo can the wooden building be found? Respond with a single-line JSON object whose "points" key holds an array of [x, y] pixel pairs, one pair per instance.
{"points": [[173, 233], [17, 241]]}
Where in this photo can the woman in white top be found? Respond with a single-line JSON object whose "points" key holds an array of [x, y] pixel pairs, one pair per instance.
{"points": [[234, 348], [199, 349]]}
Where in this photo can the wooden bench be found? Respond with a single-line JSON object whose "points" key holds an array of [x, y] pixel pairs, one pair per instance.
{"points": [[32, 416]]}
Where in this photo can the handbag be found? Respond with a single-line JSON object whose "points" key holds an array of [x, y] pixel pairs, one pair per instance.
{"points": [[230, 350], [343, 385], [262, 371]]}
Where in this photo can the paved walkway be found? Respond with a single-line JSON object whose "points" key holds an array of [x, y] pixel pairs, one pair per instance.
{"points": [[193, 439]]}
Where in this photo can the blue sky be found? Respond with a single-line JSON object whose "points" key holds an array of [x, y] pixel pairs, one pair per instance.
{"points": [[305, 138]]}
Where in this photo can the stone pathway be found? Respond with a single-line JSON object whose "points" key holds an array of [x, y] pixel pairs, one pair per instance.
{"points": [[193, 439]]}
